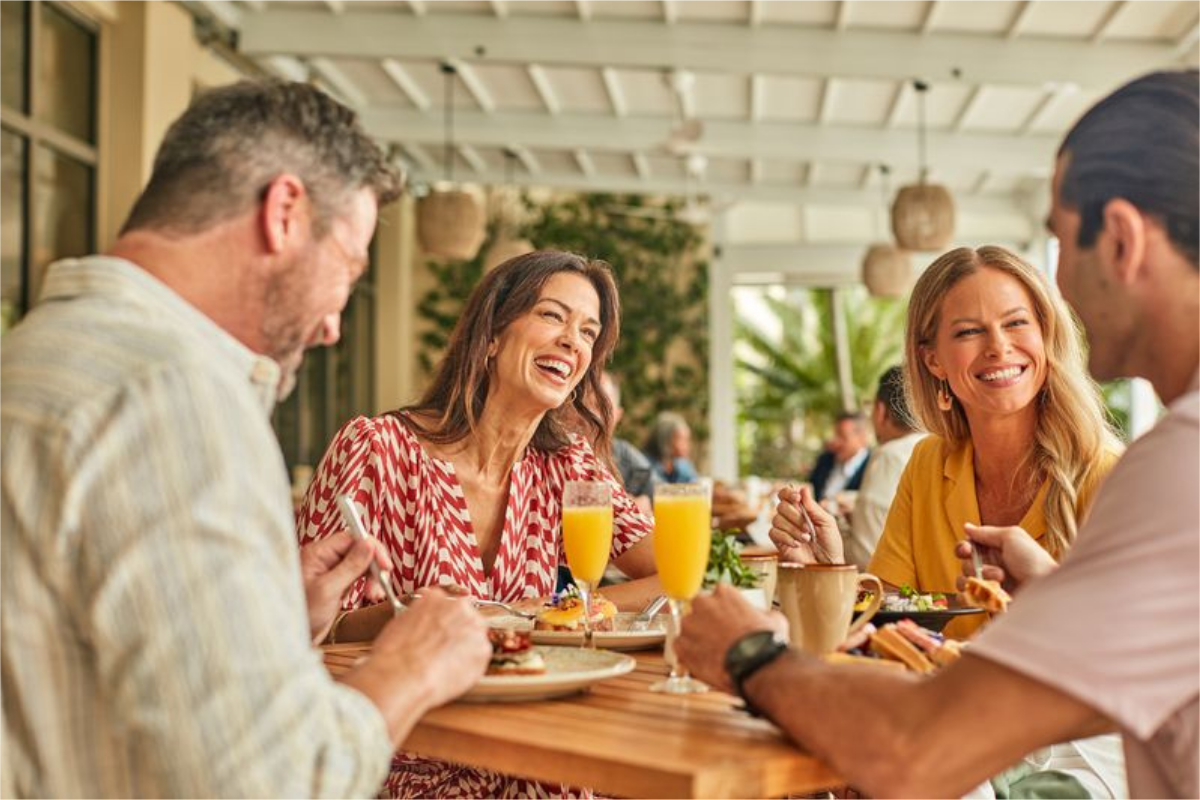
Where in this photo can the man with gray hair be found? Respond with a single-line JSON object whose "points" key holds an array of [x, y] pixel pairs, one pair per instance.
{"points": [[157, 619]]}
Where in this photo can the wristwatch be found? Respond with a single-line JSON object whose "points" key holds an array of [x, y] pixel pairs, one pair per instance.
{"points": [[748, 655]]}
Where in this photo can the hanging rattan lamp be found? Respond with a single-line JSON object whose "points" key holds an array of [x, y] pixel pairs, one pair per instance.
{"points": [[886, 268], [923, 213], [451, 223]]}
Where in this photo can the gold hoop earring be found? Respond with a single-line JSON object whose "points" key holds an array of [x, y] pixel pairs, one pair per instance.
{"points": [[945, 400], [574, 394]]}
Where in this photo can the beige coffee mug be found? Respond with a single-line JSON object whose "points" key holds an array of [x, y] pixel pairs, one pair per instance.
{"points": [[766, 567], [818, 601]]}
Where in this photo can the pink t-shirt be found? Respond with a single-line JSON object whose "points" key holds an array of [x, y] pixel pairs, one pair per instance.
{"points": [[1118, 625]]}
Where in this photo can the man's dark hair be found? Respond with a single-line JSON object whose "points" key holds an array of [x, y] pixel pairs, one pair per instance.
{"points": [[1140, 144], [852, 416], [217, 159], [891, 394]]}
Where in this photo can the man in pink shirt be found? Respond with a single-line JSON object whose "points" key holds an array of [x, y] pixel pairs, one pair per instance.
{"points": [[1110, 639]]}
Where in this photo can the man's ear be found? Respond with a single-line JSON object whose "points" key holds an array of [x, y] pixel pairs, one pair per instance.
{"points": [[284, 205], [1122, 239], [930, 359]]}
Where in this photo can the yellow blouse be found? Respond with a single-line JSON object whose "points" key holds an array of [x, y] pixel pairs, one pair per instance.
{"points": [[935, 499]]}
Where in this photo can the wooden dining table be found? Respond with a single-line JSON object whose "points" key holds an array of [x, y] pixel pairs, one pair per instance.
{"points": [[619, 738]]}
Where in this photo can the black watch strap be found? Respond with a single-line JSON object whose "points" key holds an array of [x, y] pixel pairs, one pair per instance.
{"points": [[748, 655]]}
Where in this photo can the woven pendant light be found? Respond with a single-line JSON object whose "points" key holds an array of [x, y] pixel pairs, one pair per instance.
{"points": [[923, 213], [451, 223], [886, 269]]}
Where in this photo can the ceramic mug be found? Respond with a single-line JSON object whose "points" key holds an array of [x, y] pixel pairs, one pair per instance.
{"points": [[766, 566], [818, 601]]}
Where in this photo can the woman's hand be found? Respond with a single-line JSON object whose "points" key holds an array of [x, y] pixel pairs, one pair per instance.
{"points": [[328, 567], [815, 540], [1010, 556]]}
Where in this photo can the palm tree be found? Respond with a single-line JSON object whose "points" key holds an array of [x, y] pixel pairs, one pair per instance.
{"points": [[787, 384]]}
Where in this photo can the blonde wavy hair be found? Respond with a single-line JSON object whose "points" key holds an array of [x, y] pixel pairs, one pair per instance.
{"points": [[1073, 430]]}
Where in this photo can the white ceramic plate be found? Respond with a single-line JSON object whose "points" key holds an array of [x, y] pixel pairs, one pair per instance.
{"points": [[620, 639], [568, 670]]}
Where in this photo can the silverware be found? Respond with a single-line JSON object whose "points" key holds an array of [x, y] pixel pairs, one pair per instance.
{"points": [[382, 576], [977, 560], [642, 621], [819, 550], [516, 612]]}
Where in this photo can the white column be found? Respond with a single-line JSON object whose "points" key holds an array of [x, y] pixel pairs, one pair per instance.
{"points": [[722, 410]]}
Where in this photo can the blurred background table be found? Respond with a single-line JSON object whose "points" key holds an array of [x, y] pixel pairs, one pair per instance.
{"points": [[620, 739]]}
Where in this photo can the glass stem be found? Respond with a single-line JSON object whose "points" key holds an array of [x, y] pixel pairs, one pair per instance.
{"points": [[585, 593], [676, 620]]}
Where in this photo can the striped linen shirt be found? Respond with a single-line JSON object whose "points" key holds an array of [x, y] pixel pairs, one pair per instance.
{"points": [[154, 639]]}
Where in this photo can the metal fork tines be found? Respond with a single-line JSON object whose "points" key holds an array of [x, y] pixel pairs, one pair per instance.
{"points": [[516, 612]]}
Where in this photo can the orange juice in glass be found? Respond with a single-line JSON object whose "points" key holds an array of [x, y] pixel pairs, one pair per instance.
{"points": [[587, 539], [682, 538]]}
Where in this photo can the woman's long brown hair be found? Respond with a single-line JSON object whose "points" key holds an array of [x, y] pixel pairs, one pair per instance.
{"points": [[459, 390]]}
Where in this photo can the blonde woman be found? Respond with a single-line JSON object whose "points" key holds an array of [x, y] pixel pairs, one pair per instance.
{"points": [[995, 371]]}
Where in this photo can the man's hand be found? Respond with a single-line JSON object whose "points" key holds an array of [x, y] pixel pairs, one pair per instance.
{"points": [[440, 642], [717, 621], [797, 540], [1011, 557], [328, 567]]}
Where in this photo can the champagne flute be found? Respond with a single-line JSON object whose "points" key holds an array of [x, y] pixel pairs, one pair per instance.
{"points": [[587, 539], [682, 538]]}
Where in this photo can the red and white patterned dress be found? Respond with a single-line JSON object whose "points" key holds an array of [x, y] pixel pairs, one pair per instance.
{"points": [[414, 504]]}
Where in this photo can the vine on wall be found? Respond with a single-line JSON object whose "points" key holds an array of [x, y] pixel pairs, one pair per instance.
{"points": [[662, 356]]}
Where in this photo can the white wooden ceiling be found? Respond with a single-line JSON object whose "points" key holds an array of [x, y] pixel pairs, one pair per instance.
{"points": [[799, 102]]}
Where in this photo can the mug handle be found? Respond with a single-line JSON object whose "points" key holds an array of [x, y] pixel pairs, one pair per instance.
{"points": [[877, 598]]}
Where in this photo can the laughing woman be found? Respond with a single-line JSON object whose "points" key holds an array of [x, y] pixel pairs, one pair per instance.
{"points": [[465, 487]]}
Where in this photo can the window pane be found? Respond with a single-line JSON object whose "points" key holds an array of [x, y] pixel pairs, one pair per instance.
{"points": [[65, 76], [62, 211], [12, 226], [14, 19]]}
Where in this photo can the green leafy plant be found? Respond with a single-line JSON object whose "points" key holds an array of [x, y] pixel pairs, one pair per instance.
{"points": [[725, 563]]}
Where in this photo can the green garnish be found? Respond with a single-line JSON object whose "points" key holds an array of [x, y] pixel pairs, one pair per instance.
{"points": [[725, 563]]}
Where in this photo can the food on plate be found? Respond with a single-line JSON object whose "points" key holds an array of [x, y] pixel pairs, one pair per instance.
{"points": [[937, 648], [564, 612], [988, 595], [887, 642], [864, 601], [909, 599], [513, 654]]}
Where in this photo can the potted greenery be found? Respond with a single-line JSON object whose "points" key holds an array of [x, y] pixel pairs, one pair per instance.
{"points": [[725, 565]]}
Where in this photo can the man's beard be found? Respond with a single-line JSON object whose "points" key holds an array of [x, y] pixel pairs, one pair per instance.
{"points": [[282, 331]]}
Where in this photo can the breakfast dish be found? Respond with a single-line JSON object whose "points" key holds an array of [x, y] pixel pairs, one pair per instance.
{"points": [[565, 613], [513, 653], [934, 618], [568, 670], [914, 647], [988, 595]]}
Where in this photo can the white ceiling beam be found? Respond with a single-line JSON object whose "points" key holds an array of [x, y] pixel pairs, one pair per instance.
{"points": [[1052, 94], [981, 182], [420, 156], [842, 17], [779, 50], [527, 159], [341, 83], [585, 163], [758, 96], [499, 9], [336, 6], [670, 12], [616, 95], [545, 90], [931, 17], [864, 180], [470, 155], [287, 67], [1019, 20], [223, 11], [754, 16], [583, 8], [417, 7], [1188, 40], [900, 102], [722, 138], [412, 90], [474, 84], [1006, 204], [967, 109], [257, 6], [641, 166], [828, 93], [1105, 28]]}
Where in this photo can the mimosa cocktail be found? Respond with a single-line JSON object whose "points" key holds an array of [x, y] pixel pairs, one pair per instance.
{"points": [[682, 538], [587, 539]]}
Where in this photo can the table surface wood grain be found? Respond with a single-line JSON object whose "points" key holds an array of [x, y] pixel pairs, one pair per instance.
{"points": [[619, 738]]}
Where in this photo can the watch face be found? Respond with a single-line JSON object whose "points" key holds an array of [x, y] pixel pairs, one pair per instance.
{"points": [[750, 649]]}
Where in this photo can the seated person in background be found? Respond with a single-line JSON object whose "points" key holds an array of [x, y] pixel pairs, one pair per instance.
{"points": [[669, 449], [841, 465], [1109, 638], [465, 487], [636, 471], [895, 431]]}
